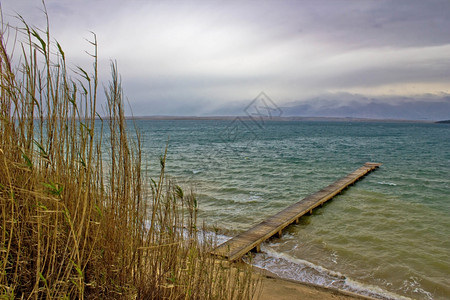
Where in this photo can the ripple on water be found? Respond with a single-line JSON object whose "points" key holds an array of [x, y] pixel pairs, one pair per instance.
{"points": [[362, 244], [390, 230]]}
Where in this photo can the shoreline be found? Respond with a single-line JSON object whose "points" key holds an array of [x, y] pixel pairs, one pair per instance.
{"points": [[276, 287]]}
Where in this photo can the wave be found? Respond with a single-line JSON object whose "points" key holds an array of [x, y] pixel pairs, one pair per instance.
{"points": [[301, 270], [288, 267], [197, 171], [387, 183]]}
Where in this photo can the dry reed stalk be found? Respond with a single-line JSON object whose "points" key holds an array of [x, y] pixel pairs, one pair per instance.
{"points": [[78, 219]]}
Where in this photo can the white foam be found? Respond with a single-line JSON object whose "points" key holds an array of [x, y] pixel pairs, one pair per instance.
{"points": [[387, 183], [289, 267], [413, 284], [373, 290]]}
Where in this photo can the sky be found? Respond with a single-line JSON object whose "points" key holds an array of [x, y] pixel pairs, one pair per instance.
{"points": [[312, 58]]}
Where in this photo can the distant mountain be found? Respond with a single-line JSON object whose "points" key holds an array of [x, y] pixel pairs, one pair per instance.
{"points": [[427, 107], [444, 122]]}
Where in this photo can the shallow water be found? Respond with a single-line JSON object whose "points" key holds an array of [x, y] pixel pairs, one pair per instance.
{"points": [[387, 236]]}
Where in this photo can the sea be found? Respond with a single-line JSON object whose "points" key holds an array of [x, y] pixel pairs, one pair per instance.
{"points": [[387, 237]]}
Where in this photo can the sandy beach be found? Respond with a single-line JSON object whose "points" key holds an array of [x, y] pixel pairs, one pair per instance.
{"points": [[274, 287]]}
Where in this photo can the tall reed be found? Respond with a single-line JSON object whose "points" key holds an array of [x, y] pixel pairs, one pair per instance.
{"points": [[78, 217]]}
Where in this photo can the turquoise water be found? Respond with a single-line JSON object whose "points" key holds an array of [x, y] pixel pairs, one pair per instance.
{"points": [[387, 236]]}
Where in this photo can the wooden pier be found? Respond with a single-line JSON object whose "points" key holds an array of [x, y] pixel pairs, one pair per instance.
{"points": [[251, 239]]}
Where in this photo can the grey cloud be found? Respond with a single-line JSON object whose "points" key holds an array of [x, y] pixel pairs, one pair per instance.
{"points": [[420, 107], [375, 23], [419, 72], [179, 57]]}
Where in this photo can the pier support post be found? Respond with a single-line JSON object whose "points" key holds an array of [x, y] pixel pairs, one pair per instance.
{"points": [[251, 240]]}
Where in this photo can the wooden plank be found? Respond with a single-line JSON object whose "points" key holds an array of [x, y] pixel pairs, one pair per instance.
{"points": [[238, 246]]}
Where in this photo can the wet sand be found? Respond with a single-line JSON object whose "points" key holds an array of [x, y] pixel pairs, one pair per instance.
{"points": [[274, 287]]}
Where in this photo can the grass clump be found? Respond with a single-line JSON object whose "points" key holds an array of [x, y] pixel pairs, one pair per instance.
{"points": [[78, 218]]}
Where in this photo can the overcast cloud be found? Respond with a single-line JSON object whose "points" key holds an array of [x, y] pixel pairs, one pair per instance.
{"points": [[213, 57]]}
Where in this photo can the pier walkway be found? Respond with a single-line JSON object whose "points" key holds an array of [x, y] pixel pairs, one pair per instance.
{"points": [[251, 239]]}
